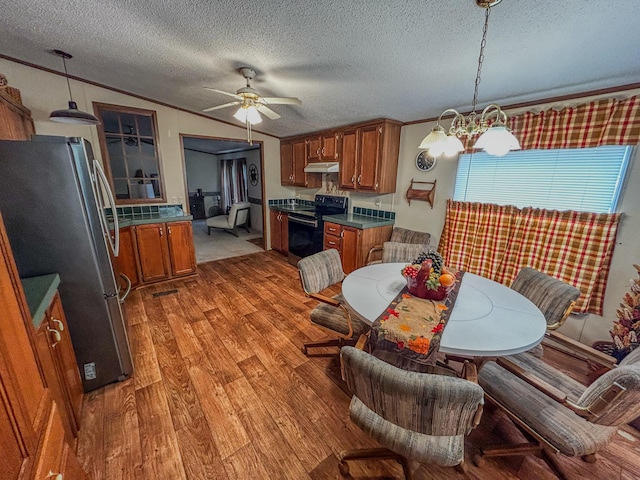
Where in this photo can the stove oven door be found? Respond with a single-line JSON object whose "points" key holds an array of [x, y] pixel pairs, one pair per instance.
{"points": [[305, 237]]}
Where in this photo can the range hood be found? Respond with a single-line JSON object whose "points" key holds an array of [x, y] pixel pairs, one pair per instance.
{"points": [[324, 167]]}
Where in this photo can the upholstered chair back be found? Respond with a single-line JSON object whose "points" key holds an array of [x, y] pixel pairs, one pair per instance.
{"points": [[553, 297], [403, 235], [238, 214], [633, 358], [433, 405], [320, 270], [401, 252]]}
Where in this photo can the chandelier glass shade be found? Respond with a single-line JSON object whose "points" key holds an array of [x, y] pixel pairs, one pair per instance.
{"points": [[495, 138], [71, 115]]}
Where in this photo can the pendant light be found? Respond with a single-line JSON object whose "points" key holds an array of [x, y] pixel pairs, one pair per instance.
{"points": [[495, 138], [71, 114]]}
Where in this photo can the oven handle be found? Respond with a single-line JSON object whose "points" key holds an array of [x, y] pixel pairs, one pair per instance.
{"points": [[304, 221]]}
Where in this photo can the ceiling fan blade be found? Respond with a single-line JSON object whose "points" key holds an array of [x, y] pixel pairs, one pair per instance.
{"points": [[281, 100], [211, 109], [268, 112], [224, 93]]}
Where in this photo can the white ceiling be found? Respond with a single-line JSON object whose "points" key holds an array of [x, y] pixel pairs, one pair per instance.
{"points": [[347, 60]]}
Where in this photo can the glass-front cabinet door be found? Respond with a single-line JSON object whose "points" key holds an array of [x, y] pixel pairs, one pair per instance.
{"points": [[129, 145]]}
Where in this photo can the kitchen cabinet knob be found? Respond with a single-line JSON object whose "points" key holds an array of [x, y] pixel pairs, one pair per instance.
{"points": [[56, 335], [359, 179], [169, 230], [342, 234], [54, 476], [323, 151], [160, 230], [353, 179], [58, 323]]}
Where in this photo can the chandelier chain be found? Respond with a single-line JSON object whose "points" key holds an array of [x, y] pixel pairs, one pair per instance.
{"points": [[483, 43]]}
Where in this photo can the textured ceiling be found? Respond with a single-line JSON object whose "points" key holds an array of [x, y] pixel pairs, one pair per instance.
{"points": [[347, 60]]}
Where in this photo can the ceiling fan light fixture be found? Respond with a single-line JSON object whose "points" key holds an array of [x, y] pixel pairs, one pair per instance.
{"points": [[71, 115], [495, 139], [253, 115]]}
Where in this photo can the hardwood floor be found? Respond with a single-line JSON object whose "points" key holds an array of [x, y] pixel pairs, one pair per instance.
{"points": [[222, 391]]}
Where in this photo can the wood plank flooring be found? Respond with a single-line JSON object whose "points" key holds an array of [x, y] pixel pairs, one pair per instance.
{"points": [[222, 391]]}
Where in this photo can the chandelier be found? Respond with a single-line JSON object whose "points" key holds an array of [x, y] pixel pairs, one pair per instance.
{"points": [[495, 138]]}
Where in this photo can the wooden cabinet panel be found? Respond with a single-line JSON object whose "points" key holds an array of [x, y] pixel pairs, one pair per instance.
{"points": [[180, 240], [313, 149], [369, 157], [349, 248], [349, 159], [299, 162], [329, 149], [12, 460], [353, 243], [279, 231], [127, 261], [66, 359], [286, 163], [15, 120], [52, 446], [152, 250]]}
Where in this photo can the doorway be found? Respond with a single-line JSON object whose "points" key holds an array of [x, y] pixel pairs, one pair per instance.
{"points": [[218, 173]]}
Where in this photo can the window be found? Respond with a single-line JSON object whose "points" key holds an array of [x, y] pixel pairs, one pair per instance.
{"points": [[581, 179], [130, 153]]}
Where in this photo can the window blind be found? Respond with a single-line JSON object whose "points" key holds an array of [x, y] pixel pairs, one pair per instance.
{"points": [[580, 179]]}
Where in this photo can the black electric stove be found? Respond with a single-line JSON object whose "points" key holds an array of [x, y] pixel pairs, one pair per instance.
{"points": [[306, 228]]}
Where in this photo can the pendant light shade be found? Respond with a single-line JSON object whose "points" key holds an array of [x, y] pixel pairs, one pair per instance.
{"points": [[72, 114]]}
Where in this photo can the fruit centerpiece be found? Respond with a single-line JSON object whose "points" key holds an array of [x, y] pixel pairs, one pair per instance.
{"points": [[427, 278]]}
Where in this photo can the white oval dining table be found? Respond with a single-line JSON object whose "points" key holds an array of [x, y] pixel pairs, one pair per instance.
{"points": [[488, 319]]}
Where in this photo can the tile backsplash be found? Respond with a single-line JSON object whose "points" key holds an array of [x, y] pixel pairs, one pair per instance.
{"points": [[370, 212], [155, 210]]}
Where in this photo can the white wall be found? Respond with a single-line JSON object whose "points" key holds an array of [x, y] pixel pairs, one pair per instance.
{"points": [[203, 171]]}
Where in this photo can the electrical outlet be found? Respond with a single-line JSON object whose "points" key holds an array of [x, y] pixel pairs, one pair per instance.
{"points": [[174, 199], [377, 202]]}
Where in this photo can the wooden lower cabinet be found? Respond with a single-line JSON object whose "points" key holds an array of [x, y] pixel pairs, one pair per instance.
{"points": [[354, 243], [32, 433], [127, 260], [279, 231], [60, 368], [165, 250]]}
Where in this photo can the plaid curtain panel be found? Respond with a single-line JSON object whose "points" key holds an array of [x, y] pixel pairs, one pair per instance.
{"points": [[602, 122], [496, 242]]}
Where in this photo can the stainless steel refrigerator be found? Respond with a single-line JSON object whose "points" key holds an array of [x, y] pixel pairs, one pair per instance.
{"points": [[51, 199]]}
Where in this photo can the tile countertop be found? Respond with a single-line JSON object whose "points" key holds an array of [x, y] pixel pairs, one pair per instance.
{"points": [[358, 221], [141, 219], [39, 292]]}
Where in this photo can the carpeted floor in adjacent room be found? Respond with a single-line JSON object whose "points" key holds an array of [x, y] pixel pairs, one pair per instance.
{"points": [[221, 244]]}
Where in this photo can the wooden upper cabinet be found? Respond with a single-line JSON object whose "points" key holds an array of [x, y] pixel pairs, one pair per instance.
{"points": [[367, 153], [323, 148], [349, 149], [369, 161], [293, 159], [299, 162], [181, 253], [15, 119], [286, 163]]}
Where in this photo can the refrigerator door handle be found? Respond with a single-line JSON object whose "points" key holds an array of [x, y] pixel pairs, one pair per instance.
{"points": [[104, 183], [126, 293]]}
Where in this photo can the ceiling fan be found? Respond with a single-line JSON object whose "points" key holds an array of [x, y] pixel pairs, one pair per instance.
{"points": [[251, 102]]}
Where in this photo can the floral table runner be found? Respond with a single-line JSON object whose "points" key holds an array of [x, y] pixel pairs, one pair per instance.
{"points": [[411, 327]]}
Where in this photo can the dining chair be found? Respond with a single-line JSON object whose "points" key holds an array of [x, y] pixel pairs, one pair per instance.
{"points": [[414, 416], [553, 297], [393, 252], [238, 217], [317, 273], [399, 235], [561, 415]]}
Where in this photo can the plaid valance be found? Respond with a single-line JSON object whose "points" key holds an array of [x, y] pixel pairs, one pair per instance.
{"points": [[497, 241], [601, 122]]}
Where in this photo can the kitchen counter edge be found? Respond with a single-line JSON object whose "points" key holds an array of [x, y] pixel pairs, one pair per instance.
{"points": [[358, 221], [39, 292]]}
